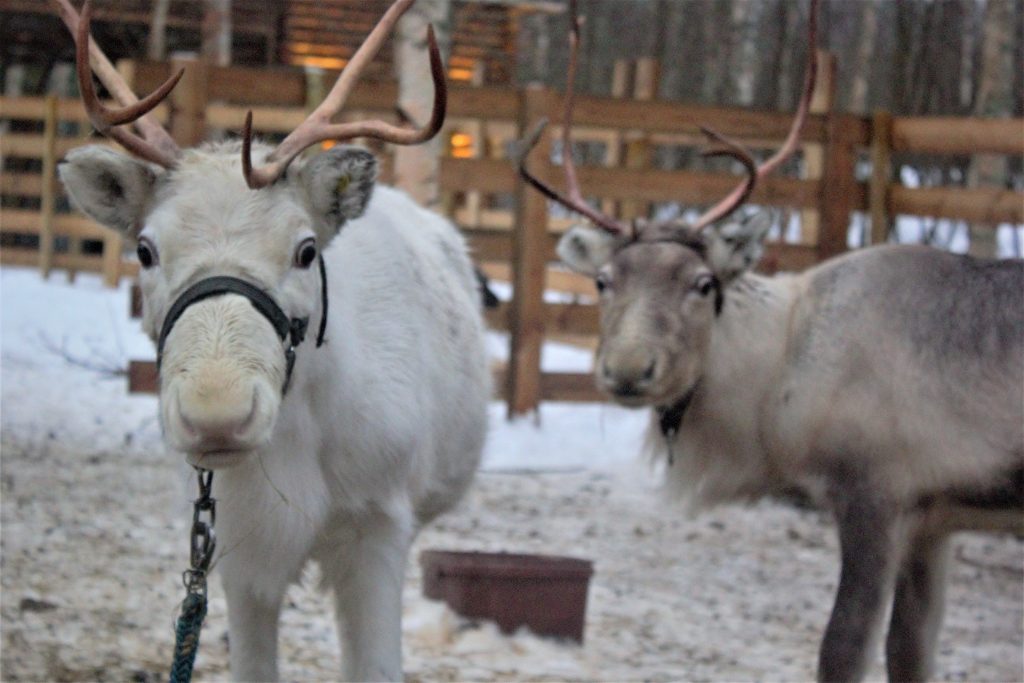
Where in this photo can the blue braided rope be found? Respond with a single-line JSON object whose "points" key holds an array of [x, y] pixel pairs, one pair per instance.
{"points": [[186, 637]]}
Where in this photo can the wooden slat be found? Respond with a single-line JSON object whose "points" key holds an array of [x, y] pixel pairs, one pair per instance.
{"points": [[21, 184], [32, 146], [34, 108], [572, 319], [788, 257], [569, 386], [975, 205], [13, 256], [482, 175], [28, 222], [670, 117], [143, 377], [957, 135]]}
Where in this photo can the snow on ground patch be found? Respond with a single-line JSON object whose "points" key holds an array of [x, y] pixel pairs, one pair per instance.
{"points": [[93, 536]]}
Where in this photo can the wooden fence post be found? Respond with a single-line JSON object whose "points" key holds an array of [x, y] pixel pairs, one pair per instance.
{"points": [[638, 145], [188, 102], [529, 265], [881, 176], [838, 185], [48, 196], [822, 102]]}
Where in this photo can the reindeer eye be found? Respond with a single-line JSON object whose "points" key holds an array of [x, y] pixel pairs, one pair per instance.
{"points": [[146, 252], [306, 253], [602, 281], [704, 284]]}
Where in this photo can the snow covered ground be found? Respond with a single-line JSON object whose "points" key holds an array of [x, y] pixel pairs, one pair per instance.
{"points": [[94, 517]]}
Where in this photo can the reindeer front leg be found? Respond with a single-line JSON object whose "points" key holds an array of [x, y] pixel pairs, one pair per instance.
{"points": [[868, 546], [917, 608], [252, 630], [368, 589]]}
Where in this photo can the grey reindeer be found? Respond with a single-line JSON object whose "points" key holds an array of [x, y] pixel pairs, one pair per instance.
{"points": [[889, 382]]}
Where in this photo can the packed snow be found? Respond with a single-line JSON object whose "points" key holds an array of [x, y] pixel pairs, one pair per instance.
{"points": [[95, 515]]}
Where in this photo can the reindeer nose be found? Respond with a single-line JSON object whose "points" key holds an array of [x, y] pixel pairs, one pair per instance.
{"points": [[629, 375], [217, 421]]}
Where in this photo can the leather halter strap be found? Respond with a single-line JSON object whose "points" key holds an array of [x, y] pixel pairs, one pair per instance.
{"points": [[289, 330]]}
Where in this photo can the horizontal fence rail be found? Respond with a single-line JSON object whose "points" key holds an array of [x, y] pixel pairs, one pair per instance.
{"points": [[510, 228]]}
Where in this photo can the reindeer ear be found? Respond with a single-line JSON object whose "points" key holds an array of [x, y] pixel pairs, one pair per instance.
{"points": [[109, 187], [734, 247], [586, 250], [338, 184]]}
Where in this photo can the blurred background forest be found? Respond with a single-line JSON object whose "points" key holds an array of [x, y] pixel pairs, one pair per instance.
{"points": [[956, 58], [909, 57]]}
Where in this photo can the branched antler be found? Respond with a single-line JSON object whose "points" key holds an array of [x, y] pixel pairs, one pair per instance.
{"points": [[318, 127], [573, 199], [153, 143]]}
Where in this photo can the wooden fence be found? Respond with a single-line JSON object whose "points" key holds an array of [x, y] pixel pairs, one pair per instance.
{"points": [[512, 229], [36, 223]]}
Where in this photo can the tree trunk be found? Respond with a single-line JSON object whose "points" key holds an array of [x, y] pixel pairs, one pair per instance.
{"points": [[156, 43], [865, 54], [417, 166], [217, 32], [995, 78]]}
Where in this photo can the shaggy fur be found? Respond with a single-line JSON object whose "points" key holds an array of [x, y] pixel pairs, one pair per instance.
{"points": [[381, 429], [890, 380]]}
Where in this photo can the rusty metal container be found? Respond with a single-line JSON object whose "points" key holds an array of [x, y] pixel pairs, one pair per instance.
{"points": [[546, 594]]}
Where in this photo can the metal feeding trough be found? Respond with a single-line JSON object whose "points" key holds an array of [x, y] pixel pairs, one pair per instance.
{"points": [[546, 594]]}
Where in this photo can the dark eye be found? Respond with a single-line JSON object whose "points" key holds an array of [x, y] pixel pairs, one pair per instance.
{"points": [[306, 253], [146, 252], [705, 284], [602, 281]]}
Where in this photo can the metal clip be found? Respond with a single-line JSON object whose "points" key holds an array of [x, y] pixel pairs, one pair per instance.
{"points": [[203, 542]]}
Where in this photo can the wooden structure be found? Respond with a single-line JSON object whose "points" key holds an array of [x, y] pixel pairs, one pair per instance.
{"points": [[36, 224], [326, 34], [254, 26], [512, 230], [319, 33]]}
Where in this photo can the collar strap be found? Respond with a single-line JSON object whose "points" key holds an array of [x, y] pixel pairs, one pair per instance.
{"points": [[671, 417], [323, 301], [292, 330]]}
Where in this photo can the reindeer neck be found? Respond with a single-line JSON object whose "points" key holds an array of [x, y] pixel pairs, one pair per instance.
{"points": [[750, 336]]}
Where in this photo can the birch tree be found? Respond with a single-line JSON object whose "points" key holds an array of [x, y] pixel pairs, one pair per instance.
{"points": [[417, 166]]}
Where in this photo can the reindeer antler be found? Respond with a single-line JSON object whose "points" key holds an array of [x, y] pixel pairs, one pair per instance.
{"points": [[154, 143], [741, 192], [574, 199], [317, 127]]}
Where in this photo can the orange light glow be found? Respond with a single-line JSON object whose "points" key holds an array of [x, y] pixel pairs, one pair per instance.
{"points": [[460, 74], [328, 63], [462, 153], [461, 140], [327, 144]]}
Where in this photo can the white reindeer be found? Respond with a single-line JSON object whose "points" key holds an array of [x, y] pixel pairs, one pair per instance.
{"points": [[379, 430], [891, 380]]}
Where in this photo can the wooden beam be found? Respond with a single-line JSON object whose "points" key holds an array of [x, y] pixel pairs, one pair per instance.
{"points": [[881, 176], [974, 205], [957, 135], [48, 191], [570, 386], [143, 377], [839, 185], [529, 247]]}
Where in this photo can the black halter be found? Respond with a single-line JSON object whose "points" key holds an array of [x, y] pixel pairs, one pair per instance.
{"points": [[290, 330], [671, 417]]}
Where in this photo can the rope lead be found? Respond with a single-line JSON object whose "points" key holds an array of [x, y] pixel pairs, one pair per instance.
{"points": [[186, 637]]}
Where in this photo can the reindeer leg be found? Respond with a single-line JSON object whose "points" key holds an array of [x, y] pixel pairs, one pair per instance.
{"points": [[368, 592], [868, 545], [917, 608], [252, 629]]}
